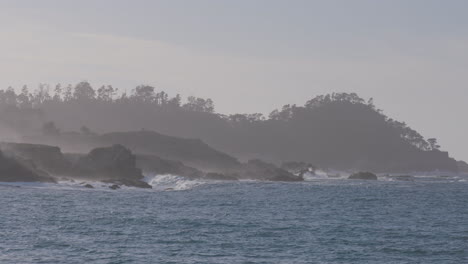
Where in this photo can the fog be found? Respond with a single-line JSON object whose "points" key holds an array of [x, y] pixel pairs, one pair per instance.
{"points": [[253, 57]]}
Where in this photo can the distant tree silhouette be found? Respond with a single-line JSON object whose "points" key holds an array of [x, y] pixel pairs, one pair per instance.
{"points": [[199, 105], [49, 129], [433, 144], [176, 101], [86, 131], [58, 93], [24, 98], [68, 93], [143, 93], [84, 91], [106, 93]]}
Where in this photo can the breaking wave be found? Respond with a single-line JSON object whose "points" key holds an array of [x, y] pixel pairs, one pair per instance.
{"points": [[168, 182]]}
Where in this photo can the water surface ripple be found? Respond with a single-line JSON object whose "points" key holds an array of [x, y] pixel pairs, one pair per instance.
{"points": [[323, 221]]}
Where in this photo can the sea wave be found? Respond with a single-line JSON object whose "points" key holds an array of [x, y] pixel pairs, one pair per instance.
{"points": [[169, 182], [64, 185], [326, 175]]}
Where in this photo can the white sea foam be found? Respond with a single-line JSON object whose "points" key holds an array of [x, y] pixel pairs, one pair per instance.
{"points": [[62, 184], [80, 184], [168, 182], [311, 176], [324, 175]]}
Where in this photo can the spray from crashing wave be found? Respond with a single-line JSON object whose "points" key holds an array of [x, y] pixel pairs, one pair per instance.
{"points": [[158, 183], [168, 182], [325, 175]]}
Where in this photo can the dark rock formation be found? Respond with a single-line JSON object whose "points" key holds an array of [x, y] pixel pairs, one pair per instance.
{"points": [[47, 158], [114, 187], [363, 176], [156, 165], [462, 166], [298, 168], [17, 170], [34, 162], [88, 186], [220, 176], [114, 164], [260, 170]]}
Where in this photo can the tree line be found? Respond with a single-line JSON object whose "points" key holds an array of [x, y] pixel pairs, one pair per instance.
{"points": [[83, 92]]}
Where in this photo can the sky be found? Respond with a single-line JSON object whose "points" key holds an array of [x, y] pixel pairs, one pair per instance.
{"points": [[410, 56]]}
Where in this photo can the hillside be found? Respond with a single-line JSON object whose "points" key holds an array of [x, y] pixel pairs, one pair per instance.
{"points": [[338, 130], [190, 151]]}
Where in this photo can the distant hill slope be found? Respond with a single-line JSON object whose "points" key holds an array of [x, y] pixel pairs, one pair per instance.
{"points": [[339, 131], [192, 152]]}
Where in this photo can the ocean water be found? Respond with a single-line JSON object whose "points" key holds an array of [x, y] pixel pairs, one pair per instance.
{"points": [[423, 220]]}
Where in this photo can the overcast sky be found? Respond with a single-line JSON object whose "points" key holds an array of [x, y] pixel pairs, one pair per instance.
{"points": [[411, 56]]}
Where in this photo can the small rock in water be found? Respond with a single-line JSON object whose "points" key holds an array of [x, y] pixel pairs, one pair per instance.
{"points": [[363, 176], [114, 187], [88, 186]]}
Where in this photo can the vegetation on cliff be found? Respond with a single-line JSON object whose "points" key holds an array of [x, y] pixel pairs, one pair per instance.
{"points": [[339, 130]]}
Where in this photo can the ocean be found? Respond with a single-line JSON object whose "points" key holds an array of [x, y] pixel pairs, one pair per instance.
{"points": [[417, 220]]}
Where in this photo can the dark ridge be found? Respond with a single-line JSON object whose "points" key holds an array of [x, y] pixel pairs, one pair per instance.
{"points": [[190, 151]]}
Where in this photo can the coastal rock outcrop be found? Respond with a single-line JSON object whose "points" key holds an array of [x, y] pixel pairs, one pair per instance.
{"points": [[44, 157], [462, 166], [115, 164], [36, 162], [260, 170], [298, 168], [16, 170], [114, 187], [363, 176]]}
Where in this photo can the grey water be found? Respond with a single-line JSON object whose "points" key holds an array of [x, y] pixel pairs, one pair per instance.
{"points": [[321, 221]]}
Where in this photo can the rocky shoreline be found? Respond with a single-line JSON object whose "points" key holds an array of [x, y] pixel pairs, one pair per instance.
{"points": [[117, 165]]}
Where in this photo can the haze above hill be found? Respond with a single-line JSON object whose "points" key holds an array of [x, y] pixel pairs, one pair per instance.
{"points": [[254, 56]]}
